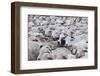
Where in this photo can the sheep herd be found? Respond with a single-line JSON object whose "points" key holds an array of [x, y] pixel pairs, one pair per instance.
{"points": [[57, 37]]}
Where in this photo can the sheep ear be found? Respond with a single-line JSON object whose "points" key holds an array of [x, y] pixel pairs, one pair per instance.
{"points": [[41, 46]]}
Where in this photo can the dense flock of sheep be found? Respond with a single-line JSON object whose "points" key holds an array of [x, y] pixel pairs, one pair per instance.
{"points": [[57, 37]]}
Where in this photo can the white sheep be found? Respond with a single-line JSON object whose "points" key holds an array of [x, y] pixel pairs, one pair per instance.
{"points": [[77, 49], [55, 34], [44, 52], [33, 50], [47, 32], [45, 56], [61, 53]]}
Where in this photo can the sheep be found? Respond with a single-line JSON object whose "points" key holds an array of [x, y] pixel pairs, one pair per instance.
{"points": [[77, 49], [45, 49], [58, 53], [60, 37], [62, 40], [67, 40], [33, 38], [55, 34], [33, 50], [47, 32], [45, 56], [62, 53]]}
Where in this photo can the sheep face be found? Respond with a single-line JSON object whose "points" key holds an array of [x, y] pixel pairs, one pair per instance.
{"points": [[80, 53], [45, 56]]}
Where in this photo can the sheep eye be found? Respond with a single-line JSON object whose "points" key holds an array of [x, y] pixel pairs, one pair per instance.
{"points": [[64, 57], [41, 46]]}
